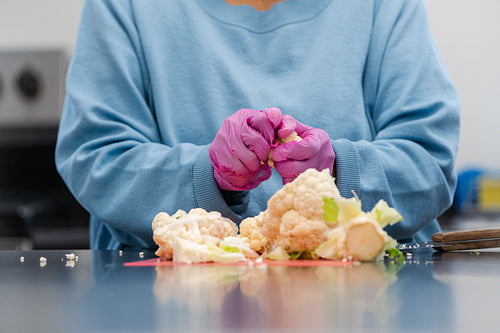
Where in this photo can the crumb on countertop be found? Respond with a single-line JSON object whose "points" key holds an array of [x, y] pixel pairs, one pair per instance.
{"points": [[43, 261]]}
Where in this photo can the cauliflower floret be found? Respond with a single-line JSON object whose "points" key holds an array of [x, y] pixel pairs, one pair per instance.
{"points": [[250, 229], [300, 233], [294, 215], [214, 224], [192, 226]]}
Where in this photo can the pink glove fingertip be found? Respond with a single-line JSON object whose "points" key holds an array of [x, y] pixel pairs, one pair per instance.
{"points": [[288, 126], [274, 115]]}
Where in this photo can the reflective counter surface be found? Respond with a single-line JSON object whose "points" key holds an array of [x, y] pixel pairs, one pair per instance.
{"points": [[95, 292]]}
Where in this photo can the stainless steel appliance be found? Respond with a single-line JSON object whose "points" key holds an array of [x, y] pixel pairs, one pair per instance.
{"points": [[36, 209]]}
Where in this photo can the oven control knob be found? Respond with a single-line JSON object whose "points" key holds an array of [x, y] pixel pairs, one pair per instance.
{"points": [[29, 84]]}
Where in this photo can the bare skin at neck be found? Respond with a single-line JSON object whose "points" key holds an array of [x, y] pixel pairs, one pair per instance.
{"points": [[257, 4]]}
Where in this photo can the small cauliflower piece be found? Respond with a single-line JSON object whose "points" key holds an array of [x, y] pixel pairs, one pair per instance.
{"points": [[238, 245], [358, 235], [364, 241], [292, 137], [384, 214], [333, 247], [350, 209], [189, 252], [192, 226], [250, 229], [277, 253], [359, 239]]}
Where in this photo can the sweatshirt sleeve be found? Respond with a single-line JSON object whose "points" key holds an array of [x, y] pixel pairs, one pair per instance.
{"points": [[414, 110], [109, 150]]}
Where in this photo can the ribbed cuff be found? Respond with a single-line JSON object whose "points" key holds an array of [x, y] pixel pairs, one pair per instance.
{"points": [[346, 160], [205, 190]]}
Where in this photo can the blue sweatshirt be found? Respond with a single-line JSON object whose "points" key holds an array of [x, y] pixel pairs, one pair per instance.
{"points": [[151, 82]]}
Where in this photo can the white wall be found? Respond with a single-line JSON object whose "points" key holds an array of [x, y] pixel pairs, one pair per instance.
{"points": [[26, 24], [467, 33], [468, 36]]}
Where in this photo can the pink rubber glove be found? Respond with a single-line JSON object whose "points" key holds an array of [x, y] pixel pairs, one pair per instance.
{"points": [[241, 148], [294, 157]]}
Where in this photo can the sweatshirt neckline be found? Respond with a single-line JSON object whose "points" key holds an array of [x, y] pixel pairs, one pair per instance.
{"points": [[280, 14]]}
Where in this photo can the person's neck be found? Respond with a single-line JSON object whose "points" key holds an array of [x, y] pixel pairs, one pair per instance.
{"points": [[257, 4]]}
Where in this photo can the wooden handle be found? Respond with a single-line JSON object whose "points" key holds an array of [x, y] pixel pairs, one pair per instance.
{"points": [[470, 245], [467, 235]]}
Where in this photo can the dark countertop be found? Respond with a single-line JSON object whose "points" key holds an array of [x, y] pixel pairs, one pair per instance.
{"points": [[430, 292]]}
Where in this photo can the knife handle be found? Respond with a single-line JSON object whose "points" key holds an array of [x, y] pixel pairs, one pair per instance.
{"points": [[473, 245], [467, 235]]}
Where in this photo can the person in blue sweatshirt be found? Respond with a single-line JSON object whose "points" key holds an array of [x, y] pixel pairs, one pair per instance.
{"points": [[156, 92]]}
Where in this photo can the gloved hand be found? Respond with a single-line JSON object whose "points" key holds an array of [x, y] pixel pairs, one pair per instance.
{"points": [[294, 157], [241, 148]]}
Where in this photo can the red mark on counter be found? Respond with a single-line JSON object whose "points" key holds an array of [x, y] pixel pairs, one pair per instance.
{"points": [[250, 263]]}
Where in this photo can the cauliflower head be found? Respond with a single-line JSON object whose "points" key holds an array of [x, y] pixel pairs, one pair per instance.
{"points": [[193, 226], [293, 219]]}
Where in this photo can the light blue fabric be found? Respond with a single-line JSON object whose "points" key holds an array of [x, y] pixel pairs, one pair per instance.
{"points": [[152, 81]]}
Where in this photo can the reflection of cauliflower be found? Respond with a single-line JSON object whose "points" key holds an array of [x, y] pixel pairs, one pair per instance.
{"points": [[192, 226], [202, 288], [293, 219], [361, 289]]}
